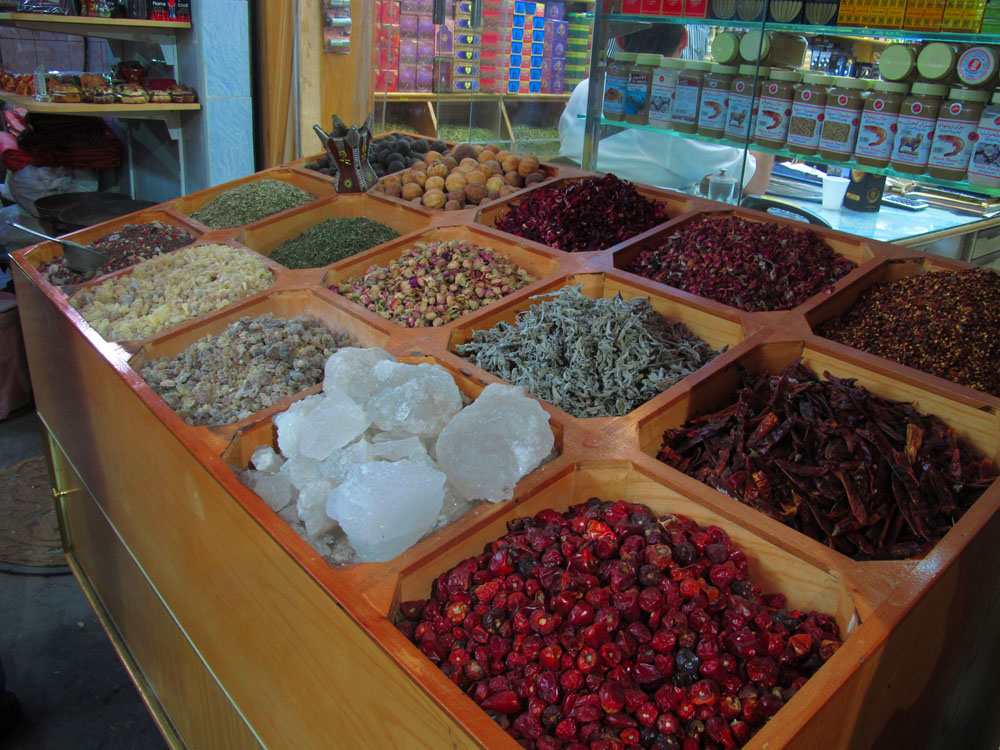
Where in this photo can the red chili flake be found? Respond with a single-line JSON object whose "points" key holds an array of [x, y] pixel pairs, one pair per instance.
{"points": [[591, 214], [870, 477], [589, 639], [946, 323], [752, 265]]}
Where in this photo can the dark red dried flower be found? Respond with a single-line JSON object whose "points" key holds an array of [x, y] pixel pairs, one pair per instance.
{"points": [[752, 265], [594, 213]]}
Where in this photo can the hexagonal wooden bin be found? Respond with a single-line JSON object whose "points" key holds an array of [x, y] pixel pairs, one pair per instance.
{"points": [[217, 605], [715, 324]]}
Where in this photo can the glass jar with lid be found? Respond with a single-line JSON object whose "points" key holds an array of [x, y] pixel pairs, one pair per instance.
{"points": [[775, 49], [715, 100], [915, 128], [878, 123], [978, 66], [616, 85], [726, 47], [661, 93], [955, 134], [687, 96], [938, 63], [775, 108], [808, 105], [743, 93], [841, 118], [898, 63], [984, 170], [640, 79]]}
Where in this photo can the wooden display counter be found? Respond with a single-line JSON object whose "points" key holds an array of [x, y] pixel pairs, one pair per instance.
{"points": [[240, 635]]}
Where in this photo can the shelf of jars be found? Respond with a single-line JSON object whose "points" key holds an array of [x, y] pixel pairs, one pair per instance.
{"points": [[810, 158]]}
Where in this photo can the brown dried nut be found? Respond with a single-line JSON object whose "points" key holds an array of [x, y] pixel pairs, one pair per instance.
{"points": [[455, 181], [486, 155], [463, 151], [514, 179], [475, 177], [394, 189], [494, 166], [501, 155], [533, 178], [528, 165], [379, 188], [468, 164], [450, 161], [438, 169], [434, 198], [419, 177], [418, 201], [475, 193], [419, 166], [406, 177], [484, 171], [452, 206], [392, 180], [434, 183], [507, 190], [412, 190], [432, 157], [457, 195], [493, 186], [510, 164]]}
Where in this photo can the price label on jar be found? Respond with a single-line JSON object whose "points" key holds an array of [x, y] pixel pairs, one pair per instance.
{"points": [[686, 98], [953, 144], [877, 132], [772, 119], [661, 99], [714, 103], [806, 123], [615, 89], [738, 115]]}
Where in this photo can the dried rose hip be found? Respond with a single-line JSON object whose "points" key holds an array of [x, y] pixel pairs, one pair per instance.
{"points": [[752, 265], [590, 214], [605, 654]]}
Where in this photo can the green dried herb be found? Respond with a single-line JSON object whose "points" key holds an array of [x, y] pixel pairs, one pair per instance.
{"points": [[332, 240], [250, 202], [590, 357]]}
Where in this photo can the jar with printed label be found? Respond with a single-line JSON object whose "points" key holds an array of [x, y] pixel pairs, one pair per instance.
{"points": [[808, 105], [841, 118], [937, 63], [898, 63], [687, 96], [741, 119], [774, 49], [661, 93], [715, 100], [978, 66], [984, 169], [877, 133], [726, 47], [955, 134], [917, 120], [774, 108], [616, 85], [640, 79]]}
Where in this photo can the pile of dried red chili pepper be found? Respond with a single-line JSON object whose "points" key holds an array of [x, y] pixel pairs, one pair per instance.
{"points": [[755, 266], [870, 477], [594, 213], [945, 323]]}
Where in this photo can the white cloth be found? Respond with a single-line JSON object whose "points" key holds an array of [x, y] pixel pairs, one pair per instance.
{"points": [[658, 159]]}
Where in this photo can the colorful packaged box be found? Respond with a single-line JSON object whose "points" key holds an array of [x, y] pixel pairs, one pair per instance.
{"points": [[555, 49], [632, 7], [445, 43], [650, 7], [466, 70], [389, 11], [536, 62], [467, 53], [466, 39], [963, 15], [538, 35], [411, 7], [924, 15], [464, 6], [443, 73], [556, 30], [407, 52], [854, 12], [407, 77], [538, 22], [696, 8], [465, 84], [425, 51], [555, 11], [425, 77], [887, 14], [408, 25], [425, 27]]}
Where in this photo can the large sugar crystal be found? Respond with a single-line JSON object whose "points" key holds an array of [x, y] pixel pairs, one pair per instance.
{"points": [[336, 467], [274, 489], [293, 422], [302, 471], [385, 507], [394, 450], [487, 447], [350, 369], [333, 423], [419, 399], [311, 507], [265, 459]]}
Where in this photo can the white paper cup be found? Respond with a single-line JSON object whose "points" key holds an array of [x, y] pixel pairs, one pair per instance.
{"points": [[834, 190]]}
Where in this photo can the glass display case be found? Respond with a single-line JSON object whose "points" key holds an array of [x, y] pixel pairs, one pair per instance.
{"points": [[838, 94]]}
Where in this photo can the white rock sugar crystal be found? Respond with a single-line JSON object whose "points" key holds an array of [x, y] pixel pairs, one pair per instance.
{"points": [[488, 446], [350, 369], [385, 507], [333, 423], [394, 450], [274, 489], [311, 507], [336, 466], [302, 471], [417, 398], [292, 421], [265, 459]]}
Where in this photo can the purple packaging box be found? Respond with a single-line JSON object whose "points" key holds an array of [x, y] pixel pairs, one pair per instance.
{"points": [[556, 11], [408, 25], [554, 49], [445, 41], [407, 52], [411, 7], [407, 77], [558, 85], [425, 27], [425, 77], [557, 30], [443, 74], [425, 51]]}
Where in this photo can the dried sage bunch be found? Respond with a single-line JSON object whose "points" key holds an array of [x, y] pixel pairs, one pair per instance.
{"points": [[590, 357]]}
